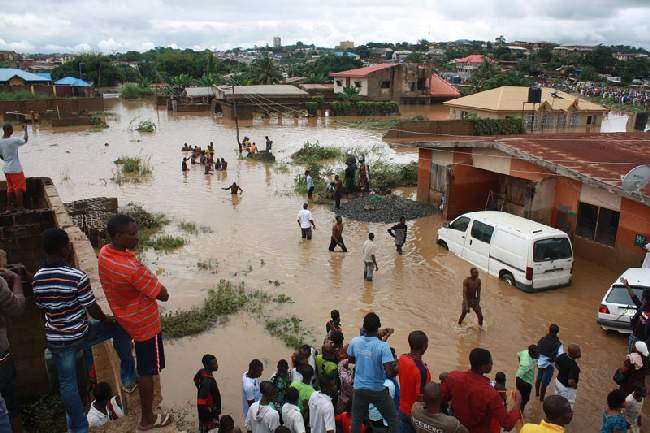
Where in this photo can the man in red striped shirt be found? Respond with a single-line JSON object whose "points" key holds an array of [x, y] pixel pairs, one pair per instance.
{"points": [[132, 291]]}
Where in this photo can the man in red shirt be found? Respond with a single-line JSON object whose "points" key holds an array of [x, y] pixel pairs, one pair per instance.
{"points": [[413, 375], [473, 401], [132, 291]]}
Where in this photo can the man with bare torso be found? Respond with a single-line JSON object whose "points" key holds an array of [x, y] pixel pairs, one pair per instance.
{"points": [[472, 296]]}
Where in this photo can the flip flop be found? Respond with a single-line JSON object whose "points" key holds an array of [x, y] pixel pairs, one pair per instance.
{"points": [[130, 389], [161, 421]]}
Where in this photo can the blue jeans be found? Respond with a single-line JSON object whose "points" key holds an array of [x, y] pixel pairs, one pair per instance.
{"points": [[405, 423], [5, 425], [65, 355]]}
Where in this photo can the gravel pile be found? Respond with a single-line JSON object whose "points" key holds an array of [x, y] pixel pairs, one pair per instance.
{"points": [[382, 209]]}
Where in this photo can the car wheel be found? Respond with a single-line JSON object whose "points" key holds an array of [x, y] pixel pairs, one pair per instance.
{"points": [[507, 278], [443, 244]]}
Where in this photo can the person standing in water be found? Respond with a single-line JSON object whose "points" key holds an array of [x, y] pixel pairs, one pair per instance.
{"points": [[338, 191], [310, 184], [337, 235], [472, 296], [234, 188], [398, 231], [306, 222]]}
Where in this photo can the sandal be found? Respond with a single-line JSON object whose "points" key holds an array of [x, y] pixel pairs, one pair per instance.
{"points": [[129, 389], [161, 421]]}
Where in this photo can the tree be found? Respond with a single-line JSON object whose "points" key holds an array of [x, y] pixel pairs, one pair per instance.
{"points": [[95, 68], [601, 58], [415, 57], [422, 45], [263, 71], [500, 40], [349, 94]]}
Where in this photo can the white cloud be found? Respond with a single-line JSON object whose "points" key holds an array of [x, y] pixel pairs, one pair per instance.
{"points": [[118, 25]]}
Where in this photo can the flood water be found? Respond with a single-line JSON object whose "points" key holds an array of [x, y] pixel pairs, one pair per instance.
{"points": [[420, 290]]}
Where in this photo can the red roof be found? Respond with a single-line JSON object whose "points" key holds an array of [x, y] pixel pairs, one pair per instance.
{"points": [[440, 88], [474, 58], [363, 72]]}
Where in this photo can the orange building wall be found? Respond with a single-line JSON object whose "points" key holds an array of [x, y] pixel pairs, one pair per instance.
{"points": [[424, 174], [635, 219], [526, 170], [565, 212], [469, 189]]}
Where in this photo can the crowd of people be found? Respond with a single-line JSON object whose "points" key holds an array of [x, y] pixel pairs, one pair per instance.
{"points": [[205, 157], [636, 96]]}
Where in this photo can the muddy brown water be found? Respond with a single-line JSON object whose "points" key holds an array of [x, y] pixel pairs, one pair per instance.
{"points": [[420, 290]]}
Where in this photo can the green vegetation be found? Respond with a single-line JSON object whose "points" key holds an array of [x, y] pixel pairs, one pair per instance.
{"points": [[363, 108], [136, 91], [281, 298], [384, 176], [146, 126], [162, 243], [369, 123], [497, 126], [312, 152], [149, 223], [45, 415], [289, 330], [132, 169], [21, 95], [188, 227], [98, 122], [228, 298]]}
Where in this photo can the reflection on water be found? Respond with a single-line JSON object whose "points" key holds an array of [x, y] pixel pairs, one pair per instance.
{"points": [[420, 290]]}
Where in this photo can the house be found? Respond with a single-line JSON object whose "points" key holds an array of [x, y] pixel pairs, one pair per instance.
{"points": [[9, 56], [199, 94], [629, 56], [466, 66], [568, 181], [347, 54], [400, 56], [441, 90], [17, 78], [400, 82], [242, 102], [345, 45], [73, 86], [557, 110], [326, 90], [567, 50]]}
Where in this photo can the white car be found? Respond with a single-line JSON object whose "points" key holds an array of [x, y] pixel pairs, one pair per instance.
{"points": [[617, 308], [521, 252]]}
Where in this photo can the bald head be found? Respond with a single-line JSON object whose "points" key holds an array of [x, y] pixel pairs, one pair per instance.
{"points": [[557, 410], [431, 397], [574, 351]]}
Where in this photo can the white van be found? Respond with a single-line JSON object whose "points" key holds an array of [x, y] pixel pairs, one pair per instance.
{"points": [[521, 252]]}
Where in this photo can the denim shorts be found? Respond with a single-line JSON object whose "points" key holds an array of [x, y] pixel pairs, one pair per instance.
{"points": [[544, 375]]}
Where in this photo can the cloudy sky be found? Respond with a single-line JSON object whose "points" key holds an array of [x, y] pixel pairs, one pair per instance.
{"points": [[109, 26]]}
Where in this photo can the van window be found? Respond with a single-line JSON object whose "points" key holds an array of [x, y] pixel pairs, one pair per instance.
{"points": [[460, 224], [551, 249], [482, 232]]}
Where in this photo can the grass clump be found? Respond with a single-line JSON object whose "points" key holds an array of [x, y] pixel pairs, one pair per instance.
{"points": [[188, 227], [281, 298], [289, 330], [369, 123], [164, 243], [385, 176], [143, 218], [312, 152], [98, 122], [136, 91], [146, 126], [132, 169], [211, 265], [226, 299]]}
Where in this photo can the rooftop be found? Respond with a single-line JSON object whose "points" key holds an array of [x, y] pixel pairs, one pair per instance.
{"points": [[195, 92], [7, 74], [440, 88], [72, 81], [268, 90], [511, 98], [596, 159], [474, 58], [363, 72]]}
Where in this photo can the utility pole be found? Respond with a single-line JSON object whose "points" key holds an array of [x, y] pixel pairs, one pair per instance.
{"points": [[234, 107]]}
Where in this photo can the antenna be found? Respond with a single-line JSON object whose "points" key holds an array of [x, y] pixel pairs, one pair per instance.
{"points": [[636, 179]]}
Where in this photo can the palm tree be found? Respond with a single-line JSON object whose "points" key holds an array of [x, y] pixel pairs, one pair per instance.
{"points": [[263, 71]]}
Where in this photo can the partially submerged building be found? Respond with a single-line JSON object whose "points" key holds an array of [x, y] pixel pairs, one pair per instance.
{"points": [[243, 101], [556, 110], [407, 83], [568, 181]]}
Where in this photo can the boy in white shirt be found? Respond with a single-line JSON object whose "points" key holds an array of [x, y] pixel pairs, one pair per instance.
{"points": [[105, 407], [634, 407], [262, 417]]}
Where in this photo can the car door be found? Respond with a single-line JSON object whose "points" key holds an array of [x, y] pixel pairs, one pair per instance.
{"points": [[477, 244], [455, 234]]}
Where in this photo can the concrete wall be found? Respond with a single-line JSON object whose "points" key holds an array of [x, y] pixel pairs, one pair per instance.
{"points": [[65, 106], [411, 128], [469, 189]]}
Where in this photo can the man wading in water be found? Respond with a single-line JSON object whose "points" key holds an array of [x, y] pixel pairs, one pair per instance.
{"points": [[472, 296], [234, 188], [337, 235]]}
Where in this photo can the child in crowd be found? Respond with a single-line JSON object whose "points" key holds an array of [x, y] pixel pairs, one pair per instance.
{"points": [[499, 383], [105, 407], [334, 324], [282, 380], [613, 418], [633, 408], [208, 397], [227, 425]]}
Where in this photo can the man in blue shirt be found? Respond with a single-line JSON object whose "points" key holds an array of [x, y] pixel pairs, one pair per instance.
{"points": [[310, 184], [373, 362]]}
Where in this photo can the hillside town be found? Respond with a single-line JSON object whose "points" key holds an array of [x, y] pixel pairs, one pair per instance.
{"points": [[386, 237]]}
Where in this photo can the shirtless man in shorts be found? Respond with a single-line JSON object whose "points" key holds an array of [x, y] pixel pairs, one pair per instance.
{"points": [[472, 296]]}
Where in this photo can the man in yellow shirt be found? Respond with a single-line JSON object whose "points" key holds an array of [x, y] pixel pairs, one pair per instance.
{"points": [[558, 414]]}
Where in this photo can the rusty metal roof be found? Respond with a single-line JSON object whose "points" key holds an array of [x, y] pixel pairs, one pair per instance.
{"points": [[596, 159]]}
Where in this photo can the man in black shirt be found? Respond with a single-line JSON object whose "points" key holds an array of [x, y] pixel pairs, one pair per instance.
{"points": [[398, 231], [639, 322], [568, 374]]}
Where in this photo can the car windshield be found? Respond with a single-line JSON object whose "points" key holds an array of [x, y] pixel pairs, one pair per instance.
{"points": [[619, 295], [551, 249]]}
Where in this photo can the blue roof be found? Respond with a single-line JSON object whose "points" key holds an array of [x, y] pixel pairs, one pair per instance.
{"points": [[45, 75], [72, 81], [345, 54], [7, 74]]}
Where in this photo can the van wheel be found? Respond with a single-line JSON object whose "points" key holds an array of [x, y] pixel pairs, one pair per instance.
{"points": [[443, 244], [507, 278]]}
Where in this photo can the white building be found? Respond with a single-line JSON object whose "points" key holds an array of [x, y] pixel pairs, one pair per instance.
{"points": [[277, 42]]}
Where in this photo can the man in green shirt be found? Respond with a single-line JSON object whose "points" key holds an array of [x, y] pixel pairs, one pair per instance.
{"points": [[305, 390], [526, 373]]}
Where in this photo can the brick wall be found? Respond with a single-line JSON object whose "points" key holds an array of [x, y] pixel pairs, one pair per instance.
{"points": [[65, 106], [410, 128]]}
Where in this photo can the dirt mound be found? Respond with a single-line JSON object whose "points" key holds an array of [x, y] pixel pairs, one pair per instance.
{"points": [[382, 209]]}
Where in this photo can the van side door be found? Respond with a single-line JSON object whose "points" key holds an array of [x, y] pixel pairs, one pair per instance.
{"points": [[456, 234], [477, 244]]}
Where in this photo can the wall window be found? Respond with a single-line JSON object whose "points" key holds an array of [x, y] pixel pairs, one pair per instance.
{"points": [[339, 83], [357, 84], [589, 120], [482, 232], [385, 84], [412, 86], [438, 178], [597, 223]]}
